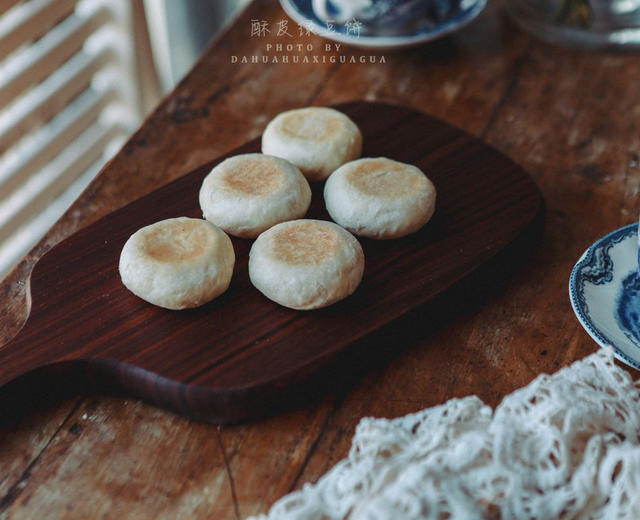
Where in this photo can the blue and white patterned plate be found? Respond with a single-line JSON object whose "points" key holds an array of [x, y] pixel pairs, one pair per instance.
{"points": [[604, 289], [302, 13]]}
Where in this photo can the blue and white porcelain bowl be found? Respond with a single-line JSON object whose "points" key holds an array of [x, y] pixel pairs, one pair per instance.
{"points": [[604, 289], [365, 36]]}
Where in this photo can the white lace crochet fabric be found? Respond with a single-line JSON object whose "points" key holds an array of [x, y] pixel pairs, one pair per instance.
{"points": [[565, 446]]}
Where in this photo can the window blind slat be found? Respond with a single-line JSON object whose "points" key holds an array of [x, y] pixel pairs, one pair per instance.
{"points": [[67, 100], [29, 21], [51, 181], [5, 5], [29, 233], [50, 140], [38, 61], [41, 104]]}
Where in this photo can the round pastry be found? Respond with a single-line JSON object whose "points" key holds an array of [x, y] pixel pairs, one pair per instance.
{"points": [[247, 194], [306, 264], [380, 198], [177, 263], [317, 140]]}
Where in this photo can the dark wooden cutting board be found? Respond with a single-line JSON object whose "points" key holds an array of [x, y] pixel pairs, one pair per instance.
{"points": [[238, 356]]}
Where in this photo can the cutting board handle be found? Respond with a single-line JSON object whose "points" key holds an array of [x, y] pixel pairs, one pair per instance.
{"points": [[27, 385], [14, 360]]}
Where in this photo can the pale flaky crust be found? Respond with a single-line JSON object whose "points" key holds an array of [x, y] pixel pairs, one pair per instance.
{"points": [[316, 139], [380, 198], [306, 264], [247, 194], [177, 263]]}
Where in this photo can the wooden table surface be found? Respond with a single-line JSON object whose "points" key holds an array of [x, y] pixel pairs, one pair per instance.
{"points": [[569, 117]]}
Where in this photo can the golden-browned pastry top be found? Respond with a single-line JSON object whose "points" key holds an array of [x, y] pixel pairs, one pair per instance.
{"points": [[385, 178], [177, 241], [305, 243], [311, 125], [254, 176]]}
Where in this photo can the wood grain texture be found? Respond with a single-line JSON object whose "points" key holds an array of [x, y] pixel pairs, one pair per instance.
{"points": [[569, 117], [241, 355]]}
